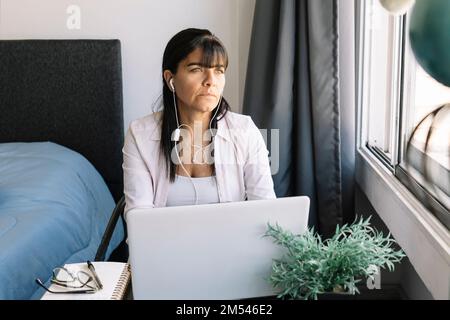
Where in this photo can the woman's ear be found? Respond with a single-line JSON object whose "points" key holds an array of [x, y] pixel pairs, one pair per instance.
{"points": [[167, 77]]}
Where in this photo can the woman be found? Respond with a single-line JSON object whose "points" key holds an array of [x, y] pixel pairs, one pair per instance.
{"points": [[196, 150]]}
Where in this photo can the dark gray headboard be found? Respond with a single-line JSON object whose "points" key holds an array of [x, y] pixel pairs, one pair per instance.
{"points": [[68, 92]]}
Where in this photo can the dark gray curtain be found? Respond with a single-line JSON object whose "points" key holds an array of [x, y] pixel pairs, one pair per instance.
{"points": [[293, 85]]}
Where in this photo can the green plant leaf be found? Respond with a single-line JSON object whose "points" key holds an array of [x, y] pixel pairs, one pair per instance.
{"points": [[312, 266]]}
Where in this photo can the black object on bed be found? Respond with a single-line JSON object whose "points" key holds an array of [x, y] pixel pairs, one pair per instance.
{"points": [[68, 92]]}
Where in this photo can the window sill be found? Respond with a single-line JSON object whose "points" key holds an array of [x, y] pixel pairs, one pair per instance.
{"points": [[424, 239]]}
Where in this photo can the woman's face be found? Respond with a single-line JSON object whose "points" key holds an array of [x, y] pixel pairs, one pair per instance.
{"points": [[198, 88]]}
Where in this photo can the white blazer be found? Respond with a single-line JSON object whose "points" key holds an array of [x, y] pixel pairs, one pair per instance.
{"points": [[240, 159]]}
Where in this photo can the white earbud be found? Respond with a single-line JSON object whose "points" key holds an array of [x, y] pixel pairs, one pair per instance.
{"points": [[171, 85], [176, 135]]}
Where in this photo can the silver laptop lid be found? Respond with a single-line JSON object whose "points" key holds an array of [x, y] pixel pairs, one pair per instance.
{"points": [[213, 251]]}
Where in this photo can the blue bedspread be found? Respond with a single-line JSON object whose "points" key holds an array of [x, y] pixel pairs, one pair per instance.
{"points": [[54, 207]]}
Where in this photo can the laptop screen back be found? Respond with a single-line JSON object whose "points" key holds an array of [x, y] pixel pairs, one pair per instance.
{"points": [[213, 251]]}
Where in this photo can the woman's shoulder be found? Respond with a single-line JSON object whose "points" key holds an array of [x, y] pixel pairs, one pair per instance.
{"points": [[148, 123], [238, 121]]}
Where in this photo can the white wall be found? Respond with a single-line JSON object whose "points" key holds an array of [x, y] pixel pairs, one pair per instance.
{"points": [[144, 28]]}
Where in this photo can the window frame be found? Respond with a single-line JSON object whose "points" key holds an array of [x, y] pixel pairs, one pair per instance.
{"points": [[390, 158], [411, 183]]}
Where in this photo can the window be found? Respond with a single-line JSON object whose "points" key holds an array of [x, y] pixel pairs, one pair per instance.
{"points": [[382, 71], [406, 113]]}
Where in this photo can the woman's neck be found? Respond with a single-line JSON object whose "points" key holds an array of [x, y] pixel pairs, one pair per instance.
{"points": [[195, 119]]}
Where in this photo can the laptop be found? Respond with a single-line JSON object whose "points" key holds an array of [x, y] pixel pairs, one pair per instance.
{"points": [[210, 251]]}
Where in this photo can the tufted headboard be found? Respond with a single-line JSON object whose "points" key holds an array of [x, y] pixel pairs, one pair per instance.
{"points": [[68, 92]]}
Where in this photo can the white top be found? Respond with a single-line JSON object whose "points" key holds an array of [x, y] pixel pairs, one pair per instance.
{"points": [[182, 193]]}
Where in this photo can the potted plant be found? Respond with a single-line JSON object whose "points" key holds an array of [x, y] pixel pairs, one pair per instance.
{"points": [[312, 267]]}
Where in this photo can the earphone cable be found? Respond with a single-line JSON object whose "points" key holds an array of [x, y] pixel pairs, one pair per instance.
{"points": [[195, 146], [190, 178]]}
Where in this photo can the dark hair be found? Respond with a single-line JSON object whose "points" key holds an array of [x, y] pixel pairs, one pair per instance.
{"points": [[178, 48]]}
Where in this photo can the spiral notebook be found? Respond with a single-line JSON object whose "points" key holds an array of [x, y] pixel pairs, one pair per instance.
{"points": [[115, 277]]}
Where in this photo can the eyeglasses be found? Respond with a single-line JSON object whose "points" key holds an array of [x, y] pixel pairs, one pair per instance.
{"points": [[80, 281]]}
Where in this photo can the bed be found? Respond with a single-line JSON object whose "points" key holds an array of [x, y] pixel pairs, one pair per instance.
{"points": [[61, 135]]}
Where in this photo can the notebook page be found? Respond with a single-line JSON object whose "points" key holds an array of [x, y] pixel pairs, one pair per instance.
{"points": [[108, 272]]}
